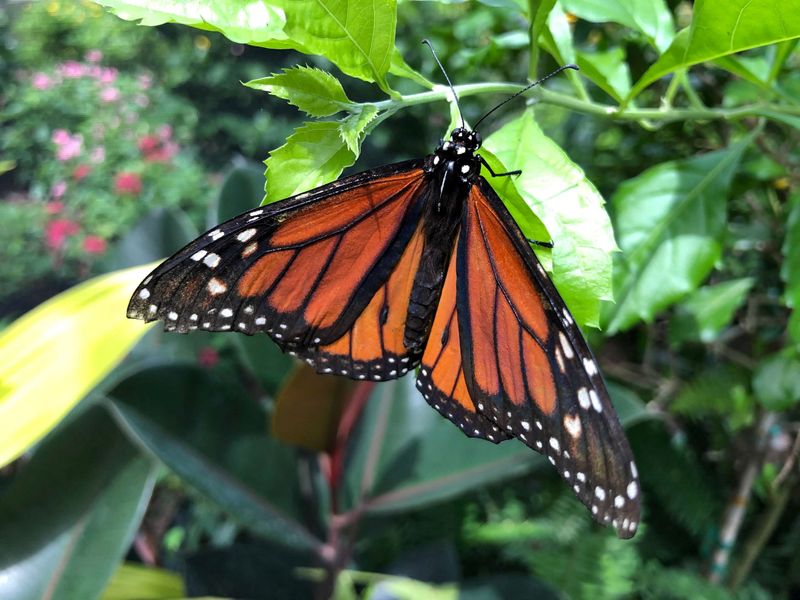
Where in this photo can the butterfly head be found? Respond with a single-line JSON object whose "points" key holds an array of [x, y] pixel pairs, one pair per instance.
{"points": [[470, 140]]}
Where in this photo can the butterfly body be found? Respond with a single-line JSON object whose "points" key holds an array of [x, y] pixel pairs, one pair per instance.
{"points": [[416, 264]]}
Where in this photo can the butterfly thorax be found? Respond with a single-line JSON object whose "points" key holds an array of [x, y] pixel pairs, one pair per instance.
{"points": [[455, 166]]}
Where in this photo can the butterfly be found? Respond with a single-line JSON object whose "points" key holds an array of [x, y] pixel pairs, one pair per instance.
{"points": [[415, 265]]}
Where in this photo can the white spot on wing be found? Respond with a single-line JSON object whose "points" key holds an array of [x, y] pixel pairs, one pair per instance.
{"points": [[246, 235], [619, 501], [583, 398], [261, 321], [216, 234], [600, 493], [216, 287], [226, 312], [554, 444], [572, 423], [144, 294], [590, 366], [198, 256], [595, 401], [565, 345], [633, 490], [172, 316], [211, 260]]}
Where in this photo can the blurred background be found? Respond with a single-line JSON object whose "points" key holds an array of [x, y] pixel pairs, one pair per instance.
{"points": [[213, 465]]}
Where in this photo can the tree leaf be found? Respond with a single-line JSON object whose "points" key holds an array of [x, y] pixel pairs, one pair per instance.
{"points": [[669, 222], [722, 28], [314, 91], [709, 310], [242, 21], [70, 515], [353, 126], [313, 155], [777, 381], [54, 355], [132, 580], [790, 268], [557, 190], [649, 17], [608, 70]]}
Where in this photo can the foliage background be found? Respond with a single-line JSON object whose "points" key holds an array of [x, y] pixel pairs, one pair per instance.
{"points": [[144, 465]]}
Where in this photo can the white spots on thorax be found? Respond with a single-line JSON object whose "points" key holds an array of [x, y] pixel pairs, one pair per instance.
{"points": [[565, 345], [465, 169], [554, 444], [619, 501], [590, 366], [216, 287], [198, 256], [595, 399], [211, 260], [633, 490], [600, 493], [583, 398], [461, 150], [226, 313], [172, 316], [216, 234], [144, 294], [436, 160], [246, 235], [572, 423]]}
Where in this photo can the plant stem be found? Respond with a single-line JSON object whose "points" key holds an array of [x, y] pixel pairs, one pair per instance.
{"points": [[545, 96]]}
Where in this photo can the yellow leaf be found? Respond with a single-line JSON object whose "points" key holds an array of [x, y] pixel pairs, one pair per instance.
{"points": [[54, 355]]}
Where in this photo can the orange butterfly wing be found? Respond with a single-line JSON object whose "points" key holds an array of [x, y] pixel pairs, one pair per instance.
{"points": [[528, 368], [327, 274]]}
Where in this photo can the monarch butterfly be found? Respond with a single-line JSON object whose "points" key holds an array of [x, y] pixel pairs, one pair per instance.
{"points": [[411, 265]]}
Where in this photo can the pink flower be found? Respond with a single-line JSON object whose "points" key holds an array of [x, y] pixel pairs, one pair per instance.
{"points": [[56, 232], [145, 81], [69, 146], [156, 149], [108, 75], [94, 56], [72, 69], [109, 94], [165, 131], [98, 155], [41, 81], [208, 357], [58, 190], [54, 207], [80, 172], [94, 244], [127, 183]]}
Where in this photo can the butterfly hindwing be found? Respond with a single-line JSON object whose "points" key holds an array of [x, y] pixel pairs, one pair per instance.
{"points": [[327, 274], [529, 368]]}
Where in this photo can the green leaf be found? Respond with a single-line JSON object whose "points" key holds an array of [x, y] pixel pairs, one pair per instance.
{"points": [[401, 68], [242, 21], [71, 513], [709, 310], [649, 17], [313, 155], [722, 28], [133, 580], [790, 267], [356, 35], [720, 393], [315, 92], [556, 38], [608, 70], [76, 338], [669, 222], [557, 190], [223, 450], [242, 190], [404, 455], [777, 381], [352, 127], [538, 20]]}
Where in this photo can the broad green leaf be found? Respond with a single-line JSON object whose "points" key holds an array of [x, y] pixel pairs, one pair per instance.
{"points": [[212, 434], [777, 381], [790, 268], [242, 21], [669, 222], [538, 20], [353, 126], [608, 70], [401, 68], [649, 17], [313, 155], [356, 35], [557, 191], [315, 92], [556, 38], [709, 310], [71, 513], [722, 28], [54, 355], [132, 580], [403, 454]]}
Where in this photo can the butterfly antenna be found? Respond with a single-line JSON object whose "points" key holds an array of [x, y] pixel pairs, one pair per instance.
{"points": [[452, 89], [522, 91]]}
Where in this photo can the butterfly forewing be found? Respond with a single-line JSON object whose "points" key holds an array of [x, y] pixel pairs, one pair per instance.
{"points": [[528, 368]]}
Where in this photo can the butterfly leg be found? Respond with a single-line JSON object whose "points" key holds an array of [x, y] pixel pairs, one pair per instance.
{"points": [[540, 244], [493, 174]]}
